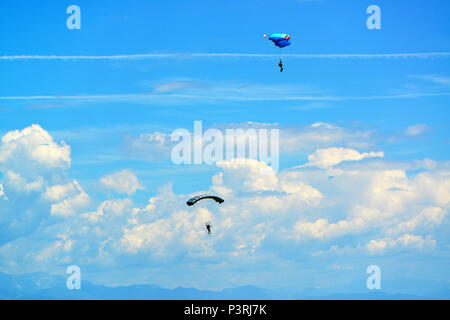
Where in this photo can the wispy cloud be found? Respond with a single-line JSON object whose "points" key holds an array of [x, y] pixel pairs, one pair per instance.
{"points": [[143, 98], [416, 129], [45, 105], [171, 86], [440, 80]]}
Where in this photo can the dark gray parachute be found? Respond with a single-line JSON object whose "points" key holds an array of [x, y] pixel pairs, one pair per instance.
{"points": [[195, 199]]}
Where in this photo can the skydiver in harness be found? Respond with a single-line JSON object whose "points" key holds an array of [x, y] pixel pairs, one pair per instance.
{"points": [[280, 40], [208, 227]]}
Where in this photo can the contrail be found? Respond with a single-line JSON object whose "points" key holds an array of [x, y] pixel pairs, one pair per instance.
{"points": [[147, 97], [421, 55]]}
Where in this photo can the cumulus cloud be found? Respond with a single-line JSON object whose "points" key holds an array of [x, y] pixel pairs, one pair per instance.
{"points": [[108, 209], [61, 191], [124, 181], [33, 150], [326, 158], [34, 178], [377, 210], [167, 228], [406, 241], [428, 218], [248, 175], [288, 218], [382, 201], [18, 183], [321, 228], [70, 199]]}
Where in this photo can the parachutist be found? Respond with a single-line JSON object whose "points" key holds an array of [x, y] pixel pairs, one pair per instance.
{"points": [[194, 200], [281, 40]]}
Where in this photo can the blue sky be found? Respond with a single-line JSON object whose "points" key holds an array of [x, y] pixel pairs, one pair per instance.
{"points": [[381, 120]]}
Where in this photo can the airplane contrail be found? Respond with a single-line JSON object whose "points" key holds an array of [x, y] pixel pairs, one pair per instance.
{"points": [[229, 55], [146, 97]]}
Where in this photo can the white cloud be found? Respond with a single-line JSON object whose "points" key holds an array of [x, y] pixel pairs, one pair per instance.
{"points": [[153, 146], [32, 150], [275, 219], [20, 184], [166, 227], [321, 228], [406, 241], [2, 193], [72, 199], [124, 181], [417, 129], [326, 158], [384, 201], [231, 55], [440, 80], [313, 136], [61, 191], [34, 178], [157, 145], [180, 231], [180, 85], [248, 175], [428, 218], [324, 135], [108, 209]]}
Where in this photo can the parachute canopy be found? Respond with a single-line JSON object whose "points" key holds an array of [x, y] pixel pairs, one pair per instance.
{"points": [[195, 199], [281, 40]]}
